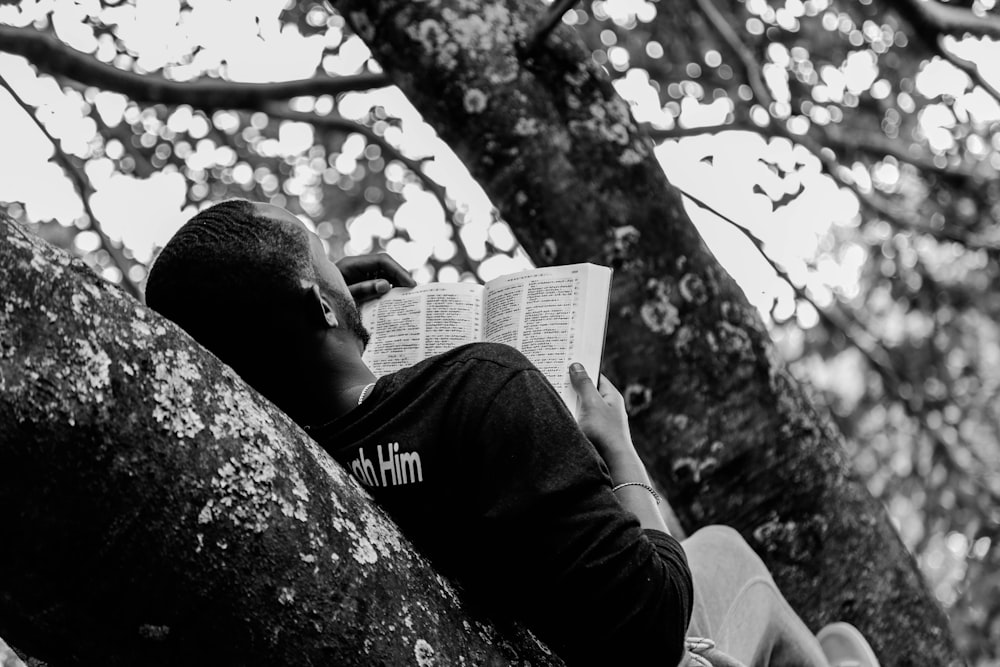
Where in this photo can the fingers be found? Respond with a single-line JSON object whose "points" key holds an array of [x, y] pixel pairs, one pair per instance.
{"points": [[372, 267], [607, 390], [369, 289], [581, 381]]}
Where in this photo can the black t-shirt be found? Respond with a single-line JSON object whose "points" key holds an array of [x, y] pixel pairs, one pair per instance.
{"points": [[476, 458]]}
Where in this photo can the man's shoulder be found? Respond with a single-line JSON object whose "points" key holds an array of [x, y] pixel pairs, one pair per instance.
{"points": [[484, 362], [497, 354]]}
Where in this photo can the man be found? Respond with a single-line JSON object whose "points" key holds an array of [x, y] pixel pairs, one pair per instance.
{"points": [[473, 454]]}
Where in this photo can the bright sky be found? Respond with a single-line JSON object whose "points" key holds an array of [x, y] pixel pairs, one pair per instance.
{"points": [[255, 47]]}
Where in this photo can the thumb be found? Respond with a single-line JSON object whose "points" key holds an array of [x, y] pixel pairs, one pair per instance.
{"points": [[369, 289], [581, 381]]}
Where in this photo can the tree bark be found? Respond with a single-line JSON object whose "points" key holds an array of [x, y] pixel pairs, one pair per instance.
{"points": [[157, 511], [726, 431]]}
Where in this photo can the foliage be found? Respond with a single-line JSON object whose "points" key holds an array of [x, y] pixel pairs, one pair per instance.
{"points": [[890, 309]]}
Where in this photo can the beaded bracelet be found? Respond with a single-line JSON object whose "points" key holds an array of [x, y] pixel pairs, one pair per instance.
{"points": [[656, 496]]}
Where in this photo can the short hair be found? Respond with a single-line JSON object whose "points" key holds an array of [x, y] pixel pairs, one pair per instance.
{"points": [[227, 277]]}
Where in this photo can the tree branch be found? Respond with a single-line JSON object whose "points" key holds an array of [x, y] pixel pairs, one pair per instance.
{"points": [[83, 188], [732, 39], [833, 135], [53, 57], [678, 132], [829, 163], [344, 125], [876, 355], [416, 166], [949, 19], [932, 21], [547, 24], [882, 366], [967, 66], [878, 144]]}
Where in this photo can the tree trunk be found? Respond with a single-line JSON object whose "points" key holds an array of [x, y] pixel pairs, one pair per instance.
{"points": [[725, 430], [157, 511]]}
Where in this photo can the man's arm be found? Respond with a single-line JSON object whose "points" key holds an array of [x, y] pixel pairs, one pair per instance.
{"points": [[579, 566], [604, 421]]}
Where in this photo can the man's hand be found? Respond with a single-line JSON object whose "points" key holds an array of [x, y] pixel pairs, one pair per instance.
{"points": [[371, 276], [605, 423], [602, 415]]}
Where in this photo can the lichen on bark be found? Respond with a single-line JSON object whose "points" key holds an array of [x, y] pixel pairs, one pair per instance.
{"points": [[163, 512]]}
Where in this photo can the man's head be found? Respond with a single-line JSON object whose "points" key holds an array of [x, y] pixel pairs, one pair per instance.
{"points": [[253, 285]]}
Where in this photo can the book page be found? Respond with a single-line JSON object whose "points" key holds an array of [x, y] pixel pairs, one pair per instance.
{"points": [[554, 316], [407, 325]]}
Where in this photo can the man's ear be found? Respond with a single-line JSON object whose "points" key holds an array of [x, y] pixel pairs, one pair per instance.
{"points": [[319, 310]]}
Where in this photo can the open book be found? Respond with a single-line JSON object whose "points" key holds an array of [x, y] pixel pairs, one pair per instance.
{"points": [[554, 315]]}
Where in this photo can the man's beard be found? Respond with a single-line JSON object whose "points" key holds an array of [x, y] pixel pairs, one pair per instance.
{"points": [[352, 318]]}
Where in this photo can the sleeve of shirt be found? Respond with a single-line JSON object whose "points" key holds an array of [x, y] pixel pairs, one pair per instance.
{"points": [[591, 582]]}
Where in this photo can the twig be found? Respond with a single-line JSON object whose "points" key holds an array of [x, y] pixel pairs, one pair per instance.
{"points": [[750, 65], [884, 368], [51, 56], [829, 163], [84, 190], [393, 153], [344, 125], [872, 143], [122, 132], [969, 67], [548, 22], [931, 22]]}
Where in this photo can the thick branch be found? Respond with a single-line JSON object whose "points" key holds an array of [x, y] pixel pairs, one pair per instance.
{"points": [[724, 427], [548, 23], [83, 188], [205, 527], [878, 145], [51, 56], [949, 19]]}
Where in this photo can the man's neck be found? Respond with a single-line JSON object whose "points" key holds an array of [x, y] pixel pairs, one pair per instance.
{"points": [[327, 390]]}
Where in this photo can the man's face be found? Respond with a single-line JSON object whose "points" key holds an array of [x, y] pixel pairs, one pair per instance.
{"points": [[331, 281]]}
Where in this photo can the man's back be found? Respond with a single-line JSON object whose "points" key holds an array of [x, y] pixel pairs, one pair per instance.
{"points": [[475, 456], [472, 452]]}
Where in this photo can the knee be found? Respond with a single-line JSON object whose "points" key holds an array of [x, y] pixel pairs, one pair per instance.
{"points": [[723, 537], [724, 540]]}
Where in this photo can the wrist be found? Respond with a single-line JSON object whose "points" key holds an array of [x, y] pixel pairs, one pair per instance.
{"points": [[627, 467], [613, 445]]}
